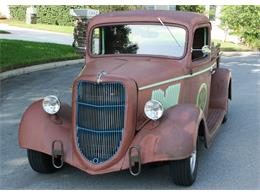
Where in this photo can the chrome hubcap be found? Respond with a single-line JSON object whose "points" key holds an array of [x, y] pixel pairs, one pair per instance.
{"points": [[193, 161]]}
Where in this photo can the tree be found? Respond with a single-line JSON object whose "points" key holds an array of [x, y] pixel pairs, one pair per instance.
{"points": [[244, 21]]}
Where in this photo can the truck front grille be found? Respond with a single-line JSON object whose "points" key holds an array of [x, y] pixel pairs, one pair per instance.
{"points": [[100, 119]]}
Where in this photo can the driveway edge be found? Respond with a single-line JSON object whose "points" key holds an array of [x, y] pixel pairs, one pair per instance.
{"points": [[239, 53], [20, 71], [25, 70]]}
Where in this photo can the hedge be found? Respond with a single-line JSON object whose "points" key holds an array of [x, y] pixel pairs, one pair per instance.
{"points": [[18, 12], [59, 15], [191, 8]]}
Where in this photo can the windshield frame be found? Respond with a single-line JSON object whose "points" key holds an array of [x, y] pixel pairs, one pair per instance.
{"points": [[89, 48]]}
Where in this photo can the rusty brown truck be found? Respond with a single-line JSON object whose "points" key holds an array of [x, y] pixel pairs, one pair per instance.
{"points": [[150, 88]]}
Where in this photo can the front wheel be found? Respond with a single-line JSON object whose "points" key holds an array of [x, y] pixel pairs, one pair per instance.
{"points": [[226, 115], [40, 162], [184, 172]]}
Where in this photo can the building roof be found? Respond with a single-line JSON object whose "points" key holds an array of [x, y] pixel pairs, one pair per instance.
{"points": [[188, 19]]}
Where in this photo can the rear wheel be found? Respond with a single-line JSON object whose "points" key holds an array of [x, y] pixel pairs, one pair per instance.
{"points": [[40, 162], [184, 172]]}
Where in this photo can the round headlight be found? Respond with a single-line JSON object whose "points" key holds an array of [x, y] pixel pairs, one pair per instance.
{"points": [[153, 109], [51, 104]]}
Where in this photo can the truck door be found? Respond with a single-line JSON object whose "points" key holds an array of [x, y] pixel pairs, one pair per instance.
{"points": [[200, 68]]}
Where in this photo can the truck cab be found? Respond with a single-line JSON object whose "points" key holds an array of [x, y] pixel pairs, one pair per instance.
{"points": [[151, 86]]}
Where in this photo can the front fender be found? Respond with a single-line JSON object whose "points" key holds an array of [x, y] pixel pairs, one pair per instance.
{"points": [[38, 129], [174, 137]]}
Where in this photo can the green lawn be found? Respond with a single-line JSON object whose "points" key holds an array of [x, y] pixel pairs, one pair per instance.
{"points": [[17, 54], [228, 46], [54, 28]]}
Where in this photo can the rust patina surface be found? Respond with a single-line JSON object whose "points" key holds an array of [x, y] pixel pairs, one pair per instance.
{"points": [[203, 90]]}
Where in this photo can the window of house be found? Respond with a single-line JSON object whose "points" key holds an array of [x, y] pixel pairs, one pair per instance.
{"points": [[200, 39]]}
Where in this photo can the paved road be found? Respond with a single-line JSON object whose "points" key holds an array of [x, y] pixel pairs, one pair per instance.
{"points": [[233, 161], [35, 35]]}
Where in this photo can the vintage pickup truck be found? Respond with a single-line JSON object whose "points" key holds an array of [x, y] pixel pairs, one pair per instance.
{"points": [[150, 88]]}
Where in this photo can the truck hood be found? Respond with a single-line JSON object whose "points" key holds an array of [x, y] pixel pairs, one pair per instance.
{"points": [[144, 71]]}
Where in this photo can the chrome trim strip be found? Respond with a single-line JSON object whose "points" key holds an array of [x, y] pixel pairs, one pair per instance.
{"points": [[177, 78]]}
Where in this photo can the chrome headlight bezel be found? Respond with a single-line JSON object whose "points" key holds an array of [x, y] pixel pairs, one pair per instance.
{"points": [[51, 104], [153, 109]]}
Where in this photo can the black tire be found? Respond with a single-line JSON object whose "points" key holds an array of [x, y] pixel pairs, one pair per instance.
{"points": [[226, 115], [40, 162], [181, 171]]}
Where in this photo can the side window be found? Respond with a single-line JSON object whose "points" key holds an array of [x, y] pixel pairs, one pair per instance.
{"points": [[96, 41], [200, 39]]}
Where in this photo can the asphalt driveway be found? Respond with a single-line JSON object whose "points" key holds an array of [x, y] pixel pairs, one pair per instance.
{"points": [[35, 35], [233, 161]]}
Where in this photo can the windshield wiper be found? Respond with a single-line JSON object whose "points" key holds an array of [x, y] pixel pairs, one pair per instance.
{"points": [[169, 31]]}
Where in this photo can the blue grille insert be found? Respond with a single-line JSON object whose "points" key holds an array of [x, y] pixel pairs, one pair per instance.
{"points": [[100, 119]]}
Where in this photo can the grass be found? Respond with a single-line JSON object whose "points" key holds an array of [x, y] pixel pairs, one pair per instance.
{"points": [[4, 32], [17, 54], [48, 27], [228, 46]]}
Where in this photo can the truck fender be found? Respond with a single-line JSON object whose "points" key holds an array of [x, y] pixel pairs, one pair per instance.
{"points": [[38, 129], [173, 138], [220, 88]]}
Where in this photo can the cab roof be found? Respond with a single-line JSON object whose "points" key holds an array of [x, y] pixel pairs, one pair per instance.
{"points": [[188, 19]]}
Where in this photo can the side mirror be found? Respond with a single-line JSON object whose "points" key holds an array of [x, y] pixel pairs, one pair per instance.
{"points": [[205, 50]]}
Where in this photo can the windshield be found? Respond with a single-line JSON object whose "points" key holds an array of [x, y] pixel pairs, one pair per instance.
{"points": [[139, 39]]}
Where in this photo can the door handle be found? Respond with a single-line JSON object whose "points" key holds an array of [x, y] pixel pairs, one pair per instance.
{"points": [[212, 70]]}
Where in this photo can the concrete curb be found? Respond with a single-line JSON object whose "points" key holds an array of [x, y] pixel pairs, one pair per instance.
{"points": [[20, 71]]}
